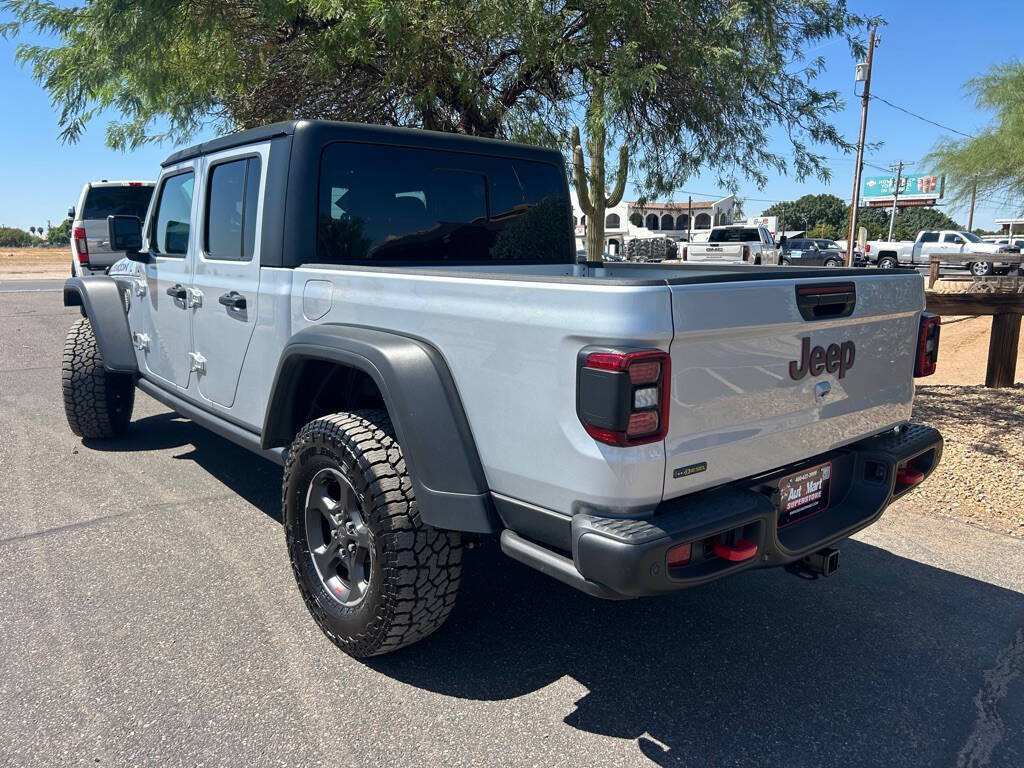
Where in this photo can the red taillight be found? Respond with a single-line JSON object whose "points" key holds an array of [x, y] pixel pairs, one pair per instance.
{"points": [[746, 253], [927, 345], [679, 555], [867, 247], [81, 245], [622, 397]]}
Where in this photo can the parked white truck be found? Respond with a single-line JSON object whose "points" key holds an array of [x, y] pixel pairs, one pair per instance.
{"points": [[735, 244], [958, 249], [398, 319]]}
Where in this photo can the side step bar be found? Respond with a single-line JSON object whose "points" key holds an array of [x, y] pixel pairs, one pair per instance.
{"points": [[222, 427], [553, 564]]}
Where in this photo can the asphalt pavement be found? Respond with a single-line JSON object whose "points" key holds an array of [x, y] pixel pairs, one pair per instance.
{"points": [[148, 616]]}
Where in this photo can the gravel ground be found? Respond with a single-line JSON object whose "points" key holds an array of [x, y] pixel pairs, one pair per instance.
{"points": [[980, 479]]}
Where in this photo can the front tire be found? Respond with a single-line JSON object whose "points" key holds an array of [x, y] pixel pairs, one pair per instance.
{"points": [[374, 576], [97, 403]]}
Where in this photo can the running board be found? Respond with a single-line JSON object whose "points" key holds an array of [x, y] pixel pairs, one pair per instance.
{"points": [[236, 434], [552, 564]]}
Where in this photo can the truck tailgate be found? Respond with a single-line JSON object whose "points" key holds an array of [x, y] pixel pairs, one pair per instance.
{"points": [[751, 394], [714, 252]]}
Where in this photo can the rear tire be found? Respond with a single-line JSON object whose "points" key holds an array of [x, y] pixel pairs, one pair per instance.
{"points": [[374, 576], [97, 403], [831, 262], [887, 262], [980, 268]]}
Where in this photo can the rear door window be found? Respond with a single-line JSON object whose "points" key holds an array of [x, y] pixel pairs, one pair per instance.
{"points": [[404, 205], [737, 235], [101, 202], [231, 210], [174, 215], [930, 237]]}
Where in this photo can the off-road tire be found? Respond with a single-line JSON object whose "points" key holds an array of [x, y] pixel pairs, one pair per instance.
{"points": [[415, 568], [97, 403]]}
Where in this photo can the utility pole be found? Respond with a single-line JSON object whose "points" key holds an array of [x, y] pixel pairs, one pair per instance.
{"points": [[970, 217], [689, 216], [895, 197], [859, 168]]}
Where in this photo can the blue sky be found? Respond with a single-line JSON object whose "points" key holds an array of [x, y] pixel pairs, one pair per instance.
{"points": [[928, 50]]}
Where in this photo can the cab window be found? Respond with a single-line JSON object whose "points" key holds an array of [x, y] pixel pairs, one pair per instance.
{"points": [[174, 215], [951, 238], [231, 202]]}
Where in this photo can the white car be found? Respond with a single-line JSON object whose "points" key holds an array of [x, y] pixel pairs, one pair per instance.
{"points": [[90, 250], [736, 244], [958, 249], [398, 319]]}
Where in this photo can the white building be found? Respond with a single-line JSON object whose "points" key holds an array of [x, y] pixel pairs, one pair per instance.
{"points": [[678, 221]]}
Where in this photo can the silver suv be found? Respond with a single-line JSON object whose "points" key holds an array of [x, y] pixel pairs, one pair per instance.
{"points": [[90, 248]]}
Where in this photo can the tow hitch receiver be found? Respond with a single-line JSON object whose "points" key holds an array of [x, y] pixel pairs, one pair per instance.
{"points": [[824, 562]]}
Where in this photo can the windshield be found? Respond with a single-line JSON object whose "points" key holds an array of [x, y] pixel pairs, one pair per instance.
{"points": [[971, 236], [734, 235]]}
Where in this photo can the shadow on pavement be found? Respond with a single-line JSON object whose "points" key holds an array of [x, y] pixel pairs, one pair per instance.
{"points": [[255, 479], [878, 665]]}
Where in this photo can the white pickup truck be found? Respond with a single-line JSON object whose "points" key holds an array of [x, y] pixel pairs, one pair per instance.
{"points": [[958, 248], [736, 244], [398, 319]]}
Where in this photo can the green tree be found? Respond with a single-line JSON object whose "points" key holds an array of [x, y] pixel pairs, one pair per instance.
{"points": [[13, 237], [684, 84], [812, 211], [61, 234], [909, 221], [995, 157]]}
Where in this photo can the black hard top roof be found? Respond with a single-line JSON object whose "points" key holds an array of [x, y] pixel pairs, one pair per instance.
{"points": [[322, 131]]}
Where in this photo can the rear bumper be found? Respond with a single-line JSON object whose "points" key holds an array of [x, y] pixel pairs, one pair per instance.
{"points": [[614, 557]]}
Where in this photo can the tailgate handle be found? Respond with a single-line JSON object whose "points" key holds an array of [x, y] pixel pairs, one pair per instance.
{"points": [[822, 302]]}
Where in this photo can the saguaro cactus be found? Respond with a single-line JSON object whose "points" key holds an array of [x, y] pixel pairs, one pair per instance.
{"points": [[592, 198]]}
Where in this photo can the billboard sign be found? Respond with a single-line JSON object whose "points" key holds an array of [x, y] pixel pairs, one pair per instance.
{"points": [[921, 186]]}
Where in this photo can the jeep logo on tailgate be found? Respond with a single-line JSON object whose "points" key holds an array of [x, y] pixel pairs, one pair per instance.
{"points": [[836, 358]]}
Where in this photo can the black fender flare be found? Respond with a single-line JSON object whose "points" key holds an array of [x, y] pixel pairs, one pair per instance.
{"points": [[425, 408], [100, 300]]}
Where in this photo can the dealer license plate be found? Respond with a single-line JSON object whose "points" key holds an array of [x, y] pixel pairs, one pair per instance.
{"points": [[804, 493]]}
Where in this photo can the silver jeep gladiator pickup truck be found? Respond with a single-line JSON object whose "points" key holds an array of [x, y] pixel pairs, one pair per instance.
{"points": [[397, 317]]}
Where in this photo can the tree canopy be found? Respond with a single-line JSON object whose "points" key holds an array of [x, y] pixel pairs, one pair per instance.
{"points": [[686, 83], [995, 157], [827, 213], [828, 216]]}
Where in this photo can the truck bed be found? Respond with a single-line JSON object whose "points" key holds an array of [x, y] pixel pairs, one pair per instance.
{"points": [[511, 336]]}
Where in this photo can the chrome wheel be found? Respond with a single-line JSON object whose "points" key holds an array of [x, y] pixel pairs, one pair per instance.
{"points": [[981, 268], [340, 543]]}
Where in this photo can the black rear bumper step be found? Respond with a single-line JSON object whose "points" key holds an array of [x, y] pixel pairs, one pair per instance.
{"points": [[615, 557]]}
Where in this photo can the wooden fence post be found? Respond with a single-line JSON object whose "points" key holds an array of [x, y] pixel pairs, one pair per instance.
{"points": [[1002, 350]]}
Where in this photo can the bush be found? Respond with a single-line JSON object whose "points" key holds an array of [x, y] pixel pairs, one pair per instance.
{"points": [[12, 237]]}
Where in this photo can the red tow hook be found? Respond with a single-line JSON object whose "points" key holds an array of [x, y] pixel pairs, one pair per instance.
{"points": [[744, 549], [908, 476]]}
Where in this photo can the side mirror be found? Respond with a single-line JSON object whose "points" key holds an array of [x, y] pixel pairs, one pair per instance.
{"points": [[71, 212], [125, 234]]}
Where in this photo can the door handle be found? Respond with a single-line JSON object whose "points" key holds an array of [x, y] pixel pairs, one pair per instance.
{"points": [[177, 291], [233, 300]]}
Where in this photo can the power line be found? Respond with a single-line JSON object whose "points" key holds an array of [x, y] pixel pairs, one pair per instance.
{"points": [[919, 117]]}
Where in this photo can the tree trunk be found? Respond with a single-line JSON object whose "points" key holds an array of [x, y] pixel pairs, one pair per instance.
{"points": [[595, 148]]}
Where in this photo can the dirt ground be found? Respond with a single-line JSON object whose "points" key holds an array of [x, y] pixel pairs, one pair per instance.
{"points": [[35, 263]]}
